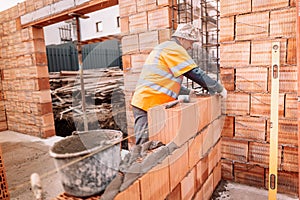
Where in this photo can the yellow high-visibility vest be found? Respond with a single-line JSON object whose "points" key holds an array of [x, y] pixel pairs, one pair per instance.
{"points": [[161, 75]]}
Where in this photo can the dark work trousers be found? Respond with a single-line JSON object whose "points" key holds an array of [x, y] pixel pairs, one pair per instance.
{"points": [[140, 125]]}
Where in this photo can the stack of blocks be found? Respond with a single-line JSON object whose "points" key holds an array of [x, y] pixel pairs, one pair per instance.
{"points": [[4, 194], [247, 30]]}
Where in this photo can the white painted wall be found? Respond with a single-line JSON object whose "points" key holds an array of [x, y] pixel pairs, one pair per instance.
{"points": [[108, 16]]}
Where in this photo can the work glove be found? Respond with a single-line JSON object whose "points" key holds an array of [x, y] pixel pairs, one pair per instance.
{"points": [[223, 93]]}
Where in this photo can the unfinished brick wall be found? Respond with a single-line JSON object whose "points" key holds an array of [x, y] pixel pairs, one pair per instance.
{"points": [[26, 103], [247, 30]]}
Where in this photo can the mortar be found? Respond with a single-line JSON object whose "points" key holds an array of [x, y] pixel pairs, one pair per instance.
{"points": [[87, 161]]}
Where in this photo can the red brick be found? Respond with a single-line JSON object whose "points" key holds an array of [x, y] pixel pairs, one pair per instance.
{"points": [[127, 7], [287, 132], [126, 61], [137, 62], [145, 5], [124, 25], [227, 29], [21, 8], [138, 22], [250, 128], [228, 128], [258, 5], [208, 140], [40, 59], [235, 54], [227, 169], [155, 184], [254, 79], [175, 194], [252, 26], [130, 44], [201, 172], [42, 96], [132, 192], [164, 35], [290, 110], [237, 103], [214, 157], [261, 105], [234, 149], [287, 182], [3, 126], [178, 165], [130, 81], [165, 2], [290, 159], [208, 187], [283, 23], [188, 186], [291, 51], [217, 174], [261, 52], [249, 174], [227, 78], [195, 150], [159, 18], [148, 41], [235, 7], [204, 112], [199, 195], [259, 154], [288, 79], [292, 3]]}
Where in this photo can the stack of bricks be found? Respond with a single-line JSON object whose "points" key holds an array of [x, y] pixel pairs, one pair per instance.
{"points": [[247, 30], [25, 88], [4, 194], [144, 24], [193, 170]]}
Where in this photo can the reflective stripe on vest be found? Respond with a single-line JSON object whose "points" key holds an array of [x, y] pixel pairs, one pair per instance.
{"points": [[158, 88]]}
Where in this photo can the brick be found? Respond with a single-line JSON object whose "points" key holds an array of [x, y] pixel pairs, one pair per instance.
{"points": [[3, 126], [165, 2], [199, 195], [188, 185], [249, 174], [208, 140], [178, 165], [164, 35], [288, 79], [175, 194], [228, 128], [145, 5], [227, 169], [254, 79], [259, 154], [233, 8], [201, 172], [138, 23], [227, 78], [283, 23], [130, 44], [261, 105], [287, 182], [42, 96], [195, 150], [287, 132], [235, 54], [261, 52], [291, 51], [214, 157], [137, 62], [292, 3], [258, 5], [130, 81], [124, 25], [290, 159], [155, 184], [132, 192], [148, 41], [21, 8], [234, 149], [127, 7], [227, 29], [238, 104], [291, 109], [159, 18], [40, 59], [250, 128], [126, 61], [252, 26], [204, 113], [217, 175], [208, 187]]}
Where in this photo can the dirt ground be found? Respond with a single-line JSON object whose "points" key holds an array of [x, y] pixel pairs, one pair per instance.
{"points": [[24, 155]]}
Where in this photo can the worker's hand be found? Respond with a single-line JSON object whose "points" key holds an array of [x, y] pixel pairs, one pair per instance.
{"points": [[224, 93]]}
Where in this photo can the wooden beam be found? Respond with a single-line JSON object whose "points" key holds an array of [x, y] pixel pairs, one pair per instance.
{"points": [[85, 8]]}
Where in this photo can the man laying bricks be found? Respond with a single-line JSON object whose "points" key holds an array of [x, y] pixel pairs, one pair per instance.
{"points": [[162, 75]]}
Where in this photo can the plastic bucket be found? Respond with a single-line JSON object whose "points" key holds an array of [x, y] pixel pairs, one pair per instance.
{"points": [[87, 161]]}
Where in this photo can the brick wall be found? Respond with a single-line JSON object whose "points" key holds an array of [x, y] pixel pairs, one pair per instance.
{"points": [[25, 91], [248, 29]]}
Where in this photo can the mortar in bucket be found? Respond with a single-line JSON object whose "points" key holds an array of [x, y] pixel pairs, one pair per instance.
{"points": [[87, 161]]}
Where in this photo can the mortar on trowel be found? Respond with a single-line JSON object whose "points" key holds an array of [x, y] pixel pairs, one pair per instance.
{"points": [[87, 161]]}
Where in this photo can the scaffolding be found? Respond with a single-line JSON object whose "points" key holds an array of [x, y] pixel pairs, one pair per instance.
{"points": [[205, 15]]}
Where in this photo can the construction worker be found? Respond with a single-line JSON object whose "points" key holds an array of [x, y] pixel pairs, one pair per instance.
{"points": [[162, 75]]}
